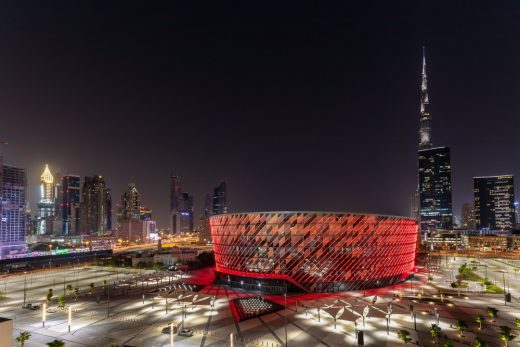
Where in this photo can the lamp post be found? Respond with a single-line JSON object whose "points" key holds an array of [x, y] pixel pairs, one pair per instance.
{"points": [[285, 315], [24, 287], [505, 292], [231, 339], [171, 334], [44, 312], [436, 334], [70, 317]]}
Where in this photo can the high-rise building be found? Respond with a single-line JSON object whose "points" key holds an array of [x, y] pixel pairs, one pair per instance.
{"points": [[468, 216], [47, 203], [494, 198], [145, 213], [434, 178], [181, 207], [13, 190], [130, 207], [220, 199], [96, 206], [71, 204], [435, 189]]}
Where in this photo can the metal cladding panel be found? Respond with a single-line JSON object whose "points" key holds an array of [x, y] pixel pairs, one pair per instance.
{"points": [[315, 251]]}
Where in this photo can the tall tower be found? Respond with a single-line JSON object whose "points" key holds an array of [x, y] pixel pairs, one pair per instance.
{"points": [[47, 204], [425, 118]]}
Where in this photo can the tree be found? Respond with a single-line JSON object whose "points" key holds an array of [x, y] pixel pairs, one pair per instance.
{"points": [[69, 288], [56, 343], [50, 294], [492, 312], [24, 336], [76, 293], [404, 336], [435, 330], [61, 301], [517, 322], [453, 285], [91, 285], [505, 334], [449, 343], [479, 319], [461, 326], [478, 342]]}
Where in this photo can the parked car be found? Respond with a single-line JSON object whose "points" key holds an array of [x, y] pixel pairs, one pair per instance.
{"points": [[166, 330], [30, 306], [186, 332]]}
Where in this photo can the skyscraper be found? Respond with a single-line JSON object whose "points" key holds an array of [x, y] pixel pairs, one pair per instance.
{"points": [[95, 206], [181, 207], [47, 203], [468, 216], [494, 198], [220, 198], [13, 190], [434, 188], [130, 206], [71, 198]]}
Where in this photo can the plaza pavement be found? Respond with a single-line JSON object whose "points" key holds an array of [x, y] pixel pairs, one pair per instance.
{"points": [[133, 323]]}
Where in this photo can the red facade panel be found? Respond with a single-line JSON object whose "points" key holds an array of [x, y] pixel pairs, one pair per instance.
{"points": [[316, 251]]}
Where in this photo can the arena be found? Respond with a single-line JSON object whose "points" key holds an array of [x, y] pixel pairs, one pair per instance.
{"points": [[284, 251]]}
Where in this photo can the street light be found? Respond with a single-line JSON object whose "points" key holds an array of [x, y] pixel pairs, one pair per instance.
{"points": [[171, 334], [285, 315], [70, 317], [24, 286], [44, 314]]}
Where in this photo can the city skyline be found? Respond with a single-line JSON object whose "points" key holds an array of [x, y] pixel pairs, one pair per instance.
{"points": [[251, 116]]}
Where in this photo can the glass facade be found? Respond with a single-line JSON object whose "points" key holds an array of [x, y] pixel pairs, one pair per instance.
{"points": [[71, 196], [494, 198], [13, 190], [435, 189], [315, 251]]}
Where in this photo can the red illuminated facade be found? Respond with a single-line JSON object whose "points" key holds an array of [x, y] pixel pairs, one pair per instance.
{"points": [[314, 251]]}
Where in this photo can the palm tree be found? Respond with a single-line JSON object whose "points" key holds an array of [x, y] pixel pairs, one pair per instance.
{"points": [[492, 312], [479, 343], [461, 326], [517, 322], [404, 336], [479, 319], [505, 334], [24, 336], [91, 285], [435, 330], [56, 343], [449, 343]]}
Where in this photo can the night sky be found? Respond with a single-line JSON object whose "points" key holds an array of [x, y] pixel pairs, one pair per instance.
{"points": [[298, 106]]}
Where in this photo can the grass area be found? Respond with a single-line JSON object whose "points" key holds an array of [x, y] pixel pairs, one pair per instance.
{"points": [[469, 275]]}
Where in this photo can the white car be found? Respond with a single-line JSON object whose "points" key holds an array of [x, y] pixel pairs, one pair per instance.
{"points": [[186, 332]]}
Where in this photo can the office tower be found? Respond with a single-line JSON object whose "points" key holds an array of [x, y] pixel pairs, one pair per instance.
{"points": [[220, 199], [71, 204], [434, 188], [130, 206], [468, 216], [494, 198], [208, 205], [13, 190], [96, 206], [47, 203], [181, 207], [186, 213], [175, 192]]}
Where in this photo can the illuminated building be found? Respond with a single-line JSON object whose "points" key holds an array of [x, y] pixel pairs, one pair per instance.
{"points": [[145, 213], [494, 198], [47, 203], [468, 216], [313, 251], [220, 199], [96, 206], [130, 208], [181, 208], [135, 231], [13, 217], [434, 188], [71, 208]]}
